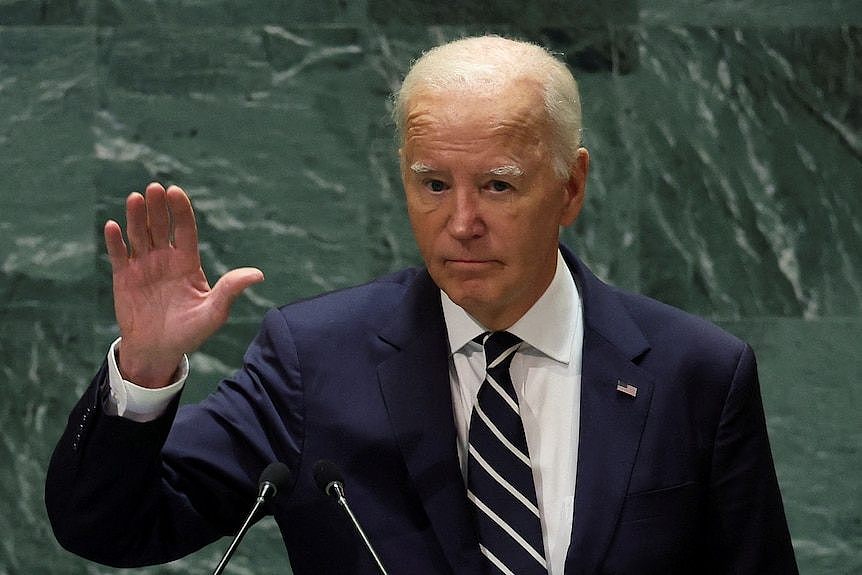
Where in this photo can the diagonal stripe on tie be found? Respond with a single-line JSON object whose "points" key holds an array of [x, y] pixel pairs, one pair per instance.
{"points": [[513, 403], [525, 545], [499, 477], [502, 481], [516, 450], [494, 561]]}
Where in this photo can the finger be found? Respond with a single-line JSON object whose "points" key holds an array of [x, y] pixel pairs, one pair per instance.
{"points": [[158, 219], [185, 228], [118, 253], [232, 284], [136, 224]]}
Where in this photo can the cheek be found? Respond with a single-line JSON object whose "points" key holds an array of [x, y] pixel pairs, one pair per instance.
{"points": [[533, 233], [419, 201], [423, 229], [416, 211], [424, 214]]}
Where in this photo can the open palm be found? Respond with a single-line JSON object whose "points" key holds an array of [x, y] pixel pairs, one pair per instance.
{"points": [[164, 304]]}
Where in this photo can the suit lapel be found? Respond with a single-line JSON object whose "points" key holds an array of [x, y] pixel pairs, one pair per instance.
{"points": [[612, 422], [611, 426], [415, 385]]}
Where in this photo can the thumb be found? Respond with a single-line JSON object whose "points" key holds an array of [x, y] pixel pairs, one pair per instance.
{"points": [[232, 284]]}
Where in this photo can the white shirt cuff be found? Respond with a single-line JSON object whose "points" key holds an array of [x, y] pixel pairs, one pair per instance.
{"points": [[135, 402]]}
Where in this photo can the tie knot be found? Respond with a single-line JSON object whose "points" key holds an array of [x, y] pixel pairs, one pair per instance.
{"points": [[497, 343]]}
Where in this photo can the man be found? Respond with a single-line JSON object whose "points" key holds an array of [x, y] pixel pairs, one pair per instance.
{"points": [[639, 429]]}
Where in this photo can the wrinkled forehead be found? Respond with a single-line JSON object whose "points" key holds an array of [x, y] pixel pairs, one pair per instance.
{"points": [[505, 106]]}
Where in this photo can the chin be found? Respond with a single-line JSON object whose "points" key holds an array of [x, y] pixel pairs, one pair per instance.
{"points": [[466, 289], [471, 299]]}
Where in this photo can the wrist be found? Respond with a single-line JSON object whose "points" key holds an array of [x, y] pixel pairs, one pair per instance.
{"points": [[145, 368]]}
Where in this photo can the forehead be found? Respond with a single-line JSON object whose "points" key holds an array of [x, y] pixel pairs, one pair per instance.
{"points": [[514, 112]]}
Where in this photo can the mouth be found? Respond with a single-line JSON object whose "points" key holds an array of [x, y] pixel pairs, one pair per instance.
{"points": [[469, 264]]}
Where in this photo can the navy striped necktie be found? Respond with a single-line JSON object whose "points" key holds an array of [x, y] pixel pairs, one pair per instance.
{"points": [[499, 477]]}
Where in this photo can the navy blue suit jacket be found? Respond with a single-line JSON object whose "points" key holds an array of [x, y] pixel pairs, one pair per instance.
{"points": [[678, 479]]}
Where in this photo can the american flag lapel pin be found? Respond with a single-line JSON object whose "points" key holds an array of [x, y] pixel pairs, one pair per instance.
{"points": [[627, 388]]}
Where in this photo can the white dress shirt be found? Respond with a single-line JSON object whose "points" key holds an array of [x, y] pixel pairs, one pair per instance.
{"points": [[546, 374]]}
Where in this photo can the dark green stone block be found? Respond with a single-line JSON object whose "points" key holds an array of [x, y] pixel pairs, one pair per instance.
{"points": [[47, 82], [46, 362], [745, 145], [810, 373], [611, 48], [45, 12], [227, 13], [763, 13], [527, 14], [153, 61]]}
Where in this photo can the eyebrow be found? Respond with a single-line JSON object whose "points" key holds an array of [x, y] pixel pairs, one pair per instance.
{"points": [[420, 168], [508, 170]]}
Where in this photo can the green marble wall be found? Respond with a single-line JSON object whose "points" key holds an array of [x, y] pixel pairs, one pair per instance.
{"points": [[725, 138]]}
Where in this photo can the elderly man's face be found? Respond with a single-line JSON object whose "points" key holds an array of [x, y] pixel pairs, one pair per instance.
{"points": [[484, 200]]}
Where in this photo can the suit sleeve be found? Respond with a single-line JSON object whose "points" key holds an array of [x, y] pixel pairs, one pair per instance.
{"points": [[125, 494], [749, 529]]}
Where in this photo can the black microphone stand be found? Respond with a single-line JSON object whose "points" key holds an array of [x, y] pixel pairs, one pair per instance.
{"points": [[336, 490], [329, 479], [274, 477], [267, 491]]}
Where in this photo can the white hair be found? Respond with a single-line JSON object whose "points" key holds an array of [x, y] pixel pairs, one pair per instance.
{"points": [[489, 62]]}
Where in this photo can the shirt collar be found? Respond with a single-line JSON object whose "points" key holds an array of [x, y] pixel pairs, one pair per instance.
{"points": [[549, 326]]}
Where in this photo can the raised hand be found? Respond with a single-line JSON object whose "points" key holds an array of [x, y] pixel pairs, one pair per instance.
{"points": [[163, 302]]}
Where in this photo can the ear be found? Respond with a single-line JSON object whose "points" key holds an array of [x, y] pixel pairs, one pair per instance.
{"points": [[575, 187]]}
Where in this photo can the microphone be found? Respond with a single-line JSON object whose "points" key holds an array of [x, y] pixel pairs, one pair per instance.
{"points": [[328, 478], [274, 477]]}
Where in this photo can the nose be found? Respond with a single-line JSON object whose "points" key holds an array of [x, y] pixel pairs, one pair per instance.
{"points": [[465, 220]]}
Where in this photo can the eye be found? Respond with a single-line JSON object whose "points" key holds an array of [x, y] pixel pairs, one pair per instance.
{"points": [[499, 186], [435, 186]]}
